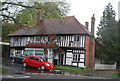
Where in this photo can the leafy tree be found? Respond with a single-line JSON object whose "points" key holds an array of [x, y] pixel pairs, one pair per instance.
{"points": [[6, 29], [107, 46], [15, 14], [22, 13]]}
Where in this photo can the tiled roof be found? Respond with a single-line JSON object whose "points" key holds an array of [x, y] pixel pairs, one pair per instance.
{"points": [[66, 25]]}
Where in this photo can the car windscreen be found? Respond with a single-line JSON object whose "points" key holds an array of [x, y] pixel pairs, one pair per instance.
{"points": [[42, 59], [24, 55]]}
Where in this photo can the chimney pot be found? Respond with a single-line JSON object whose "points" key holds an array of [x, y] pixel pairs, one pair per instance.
{"points": [[38, 16], [86, 25], [92, 24]]}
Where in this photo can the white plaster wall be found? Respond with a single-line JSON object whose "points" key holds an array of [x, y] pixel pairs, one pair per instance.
{"points": [[68, 54], [68, 61], [74, 64], [81, 65]]}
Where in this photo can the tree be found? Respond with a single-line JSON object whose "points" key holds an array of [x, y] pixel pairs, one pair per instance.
{"points": [[22, 13], [6, 29], [47, 9], [107, 46], [15, 14]]}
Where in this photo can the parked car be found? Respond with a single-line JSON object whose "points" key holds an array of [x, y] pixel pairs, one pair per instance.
{"points": [[36, 61], [17, 58]]}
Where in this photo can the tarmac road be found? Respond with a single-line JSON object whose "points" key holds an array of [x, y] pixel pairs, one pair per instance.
{"points": [[17, 72]]}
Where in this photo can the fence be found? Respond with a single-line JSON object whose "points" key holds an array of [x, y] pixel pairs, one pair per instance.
{"points": [[105, 66]]}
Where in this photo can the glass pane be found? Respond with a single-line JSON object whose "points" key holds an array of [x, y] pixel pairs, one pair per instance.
{"points": [[82, 56], [39, 52], [79, 57], [30, 52], [81, 60]]}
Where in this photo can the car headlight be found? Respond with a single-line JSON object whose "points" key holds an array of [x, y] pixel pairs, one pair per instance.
{"points": [[47, 64]]}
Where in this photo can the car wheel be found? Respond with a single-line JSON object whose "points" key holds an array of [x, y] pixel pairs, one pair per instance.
{"points": [[13, 60], [42, 67], [24, 64]]}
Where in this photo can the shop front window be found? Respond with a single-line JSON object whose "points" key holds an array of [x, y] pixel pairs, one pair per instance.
{"points": [[30, 52], [38, 53]]}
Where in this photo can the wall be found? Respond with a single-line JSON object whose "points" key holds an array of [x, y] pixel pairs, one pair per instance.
{"points": [[62, 41], [90, 51]]}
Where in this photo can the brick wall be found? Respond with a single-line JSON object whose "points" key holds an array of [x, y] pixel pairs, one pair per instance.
{"points": [[90, 52]]}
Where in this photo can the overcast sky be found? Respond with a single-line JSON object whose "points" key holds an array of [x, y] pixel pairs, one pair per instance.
{"points": [[84, 9]]}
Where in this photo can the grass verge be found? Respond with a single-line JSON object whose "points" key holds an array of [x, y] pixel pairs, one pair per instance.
{"points": [[76, 69], [3, 70], [116, 75]]}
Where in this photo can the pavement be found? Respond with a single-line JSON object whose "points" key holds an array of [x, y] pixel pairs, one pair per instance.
{"points": [[17, 72]]}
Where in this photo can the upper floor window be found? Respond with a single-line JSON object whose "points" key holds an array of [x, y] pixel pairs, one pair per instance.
{"points": [[58, 38], [76, 38], [15, 39], [38, 38]]}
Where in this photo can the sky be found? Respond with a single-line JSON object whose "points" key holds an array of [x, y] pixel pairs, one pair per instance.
{"points": [[83, 10]]}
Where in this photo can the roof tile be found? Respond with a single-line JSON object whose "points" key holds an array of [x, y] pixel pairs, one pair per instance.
{"points": [[66, 25]]}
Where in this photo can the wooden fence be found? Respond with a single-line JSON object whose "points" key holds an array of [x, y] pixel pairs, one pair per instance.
{"points": [[105, 66]]}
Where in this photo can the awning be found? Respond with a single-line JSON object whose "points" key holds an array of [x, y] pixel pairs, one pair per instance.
{"points": [[44, 46]]}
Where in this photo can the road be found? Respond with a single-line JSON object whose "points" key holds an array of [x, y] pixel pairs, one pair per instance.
{"points": [[18, 72]]}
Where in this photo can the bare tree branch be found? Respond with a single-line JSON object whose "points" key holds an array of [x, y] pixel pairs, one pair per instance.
{"points": [[18, 4]]}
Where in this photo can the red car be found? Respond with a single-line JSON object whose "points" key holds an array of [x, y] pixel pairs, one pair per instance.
{"points": [[36, 61]]}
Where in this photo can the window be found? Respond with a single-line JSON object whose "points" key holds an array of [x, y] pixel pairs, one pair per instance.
{"points": [[18, 52], [73, 57], [77, 56], [33, 58], [30, 57], [30, 52], [36, 59], [39, 52], [76, 38], [15, 39], [37, 39], [58, 38], [42, 59]]}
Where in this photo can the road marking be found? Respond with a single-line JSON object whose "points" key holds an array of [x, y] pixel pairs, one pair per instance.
{"points": [[28, 73], [35, 73], [92, 77], [51, 74], [15, 76], [44, 74]]}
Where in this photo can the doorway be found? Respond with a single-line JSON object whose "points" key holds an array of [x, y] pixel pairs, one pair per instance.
{"points": [[61, 59]]}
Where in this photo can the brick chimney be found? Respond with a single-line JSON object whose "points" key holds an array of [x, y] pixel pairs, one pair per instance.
{"points": [[87, 25], [38, 16], [92, 24]]}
